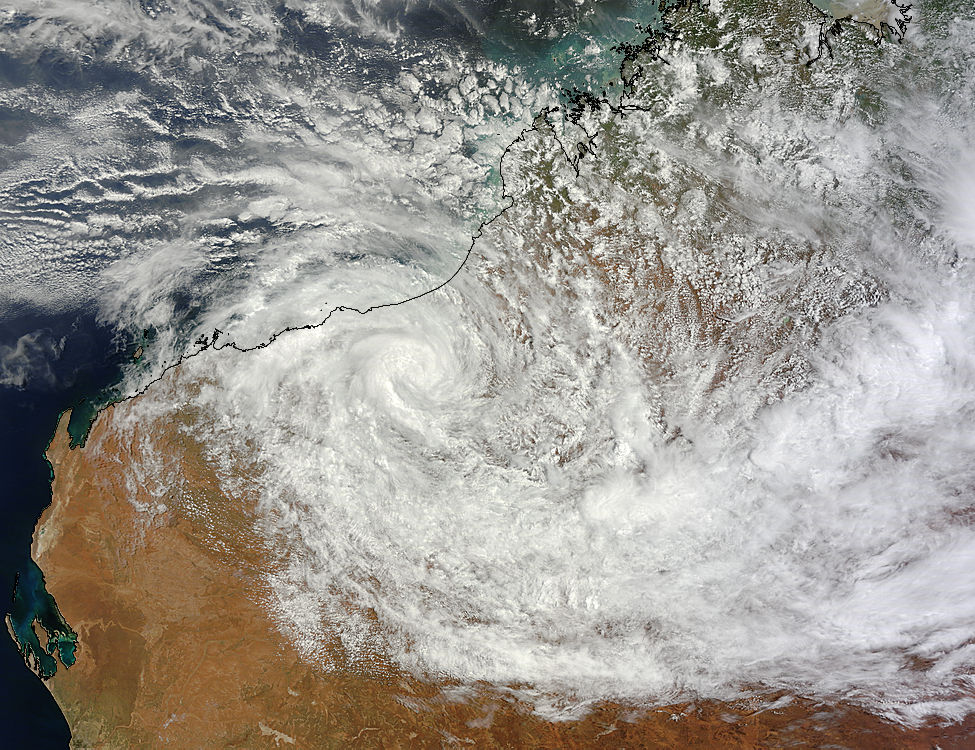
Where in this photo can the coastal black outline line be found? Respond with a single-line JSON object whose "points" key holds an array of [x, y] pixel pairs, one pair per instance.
{"points": [[205, 343], [632, 67], [579, 101], [635, 56]]}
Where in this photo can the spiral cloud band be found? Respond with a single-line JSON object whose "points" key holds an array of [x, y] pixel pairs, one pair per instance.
{"points": [[694, 419]]}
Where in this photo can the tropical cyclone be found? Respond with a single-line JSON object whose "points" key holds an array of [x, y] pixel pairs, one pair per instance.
{"points": [[690, 427]]}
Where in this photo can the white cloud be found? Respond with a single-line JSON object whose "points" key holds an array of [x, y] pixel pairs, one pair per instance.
{"points": [[698, 419], [29, 360]]}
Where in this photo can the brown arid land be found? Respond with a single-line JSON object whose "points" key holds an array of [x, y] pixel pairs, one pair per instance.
{"points": [[177, 650]]}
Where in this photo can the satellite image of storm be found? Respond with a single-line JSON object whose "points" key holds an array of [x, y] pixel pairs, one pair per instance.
{"points": [[487, 373]]}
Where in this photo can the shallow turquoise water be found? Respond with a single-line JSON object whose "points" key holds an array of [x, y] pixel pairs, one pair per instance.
{"points": [[583, 57], [35, 609]]}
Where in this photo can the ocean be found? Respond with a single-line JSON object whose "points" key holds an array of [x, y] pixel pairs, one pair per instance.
{"points": [[67, 357]]}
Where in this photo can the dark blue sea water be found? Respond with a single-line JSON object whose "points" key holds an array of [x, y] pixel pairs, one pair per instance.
{"points": [[57, 378]]}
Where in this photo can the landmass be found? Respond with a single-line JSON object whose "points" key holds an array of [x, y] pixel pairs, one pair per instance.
{"points": [[175, 648]]}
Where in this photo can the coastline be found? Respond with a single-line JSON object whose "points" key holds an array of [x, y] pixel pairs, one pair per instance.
{"points": [[33, 608], [55, 453]]}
